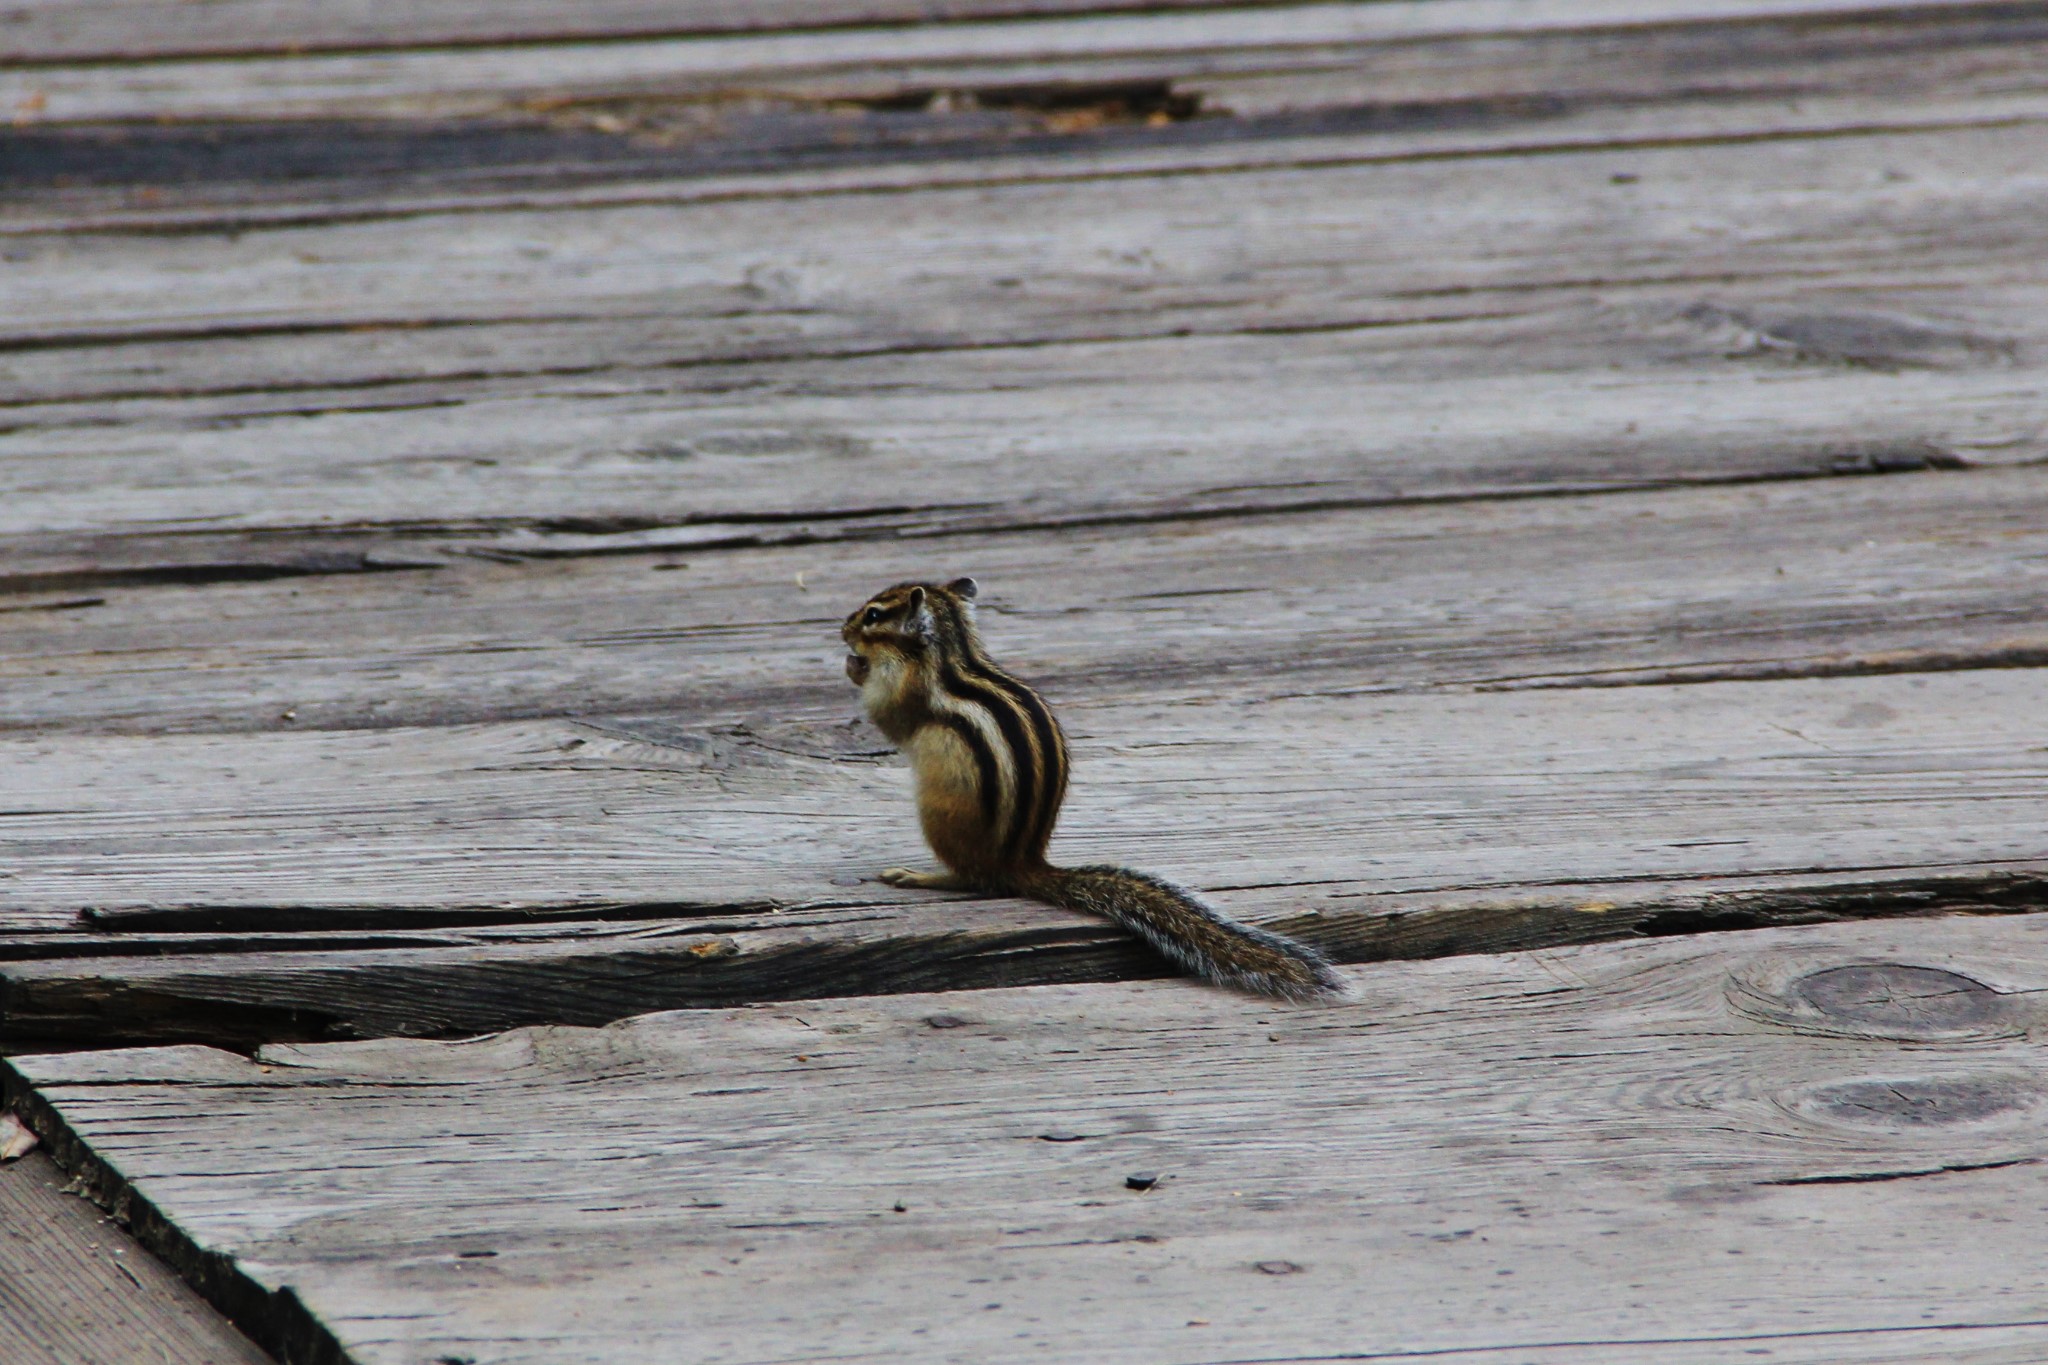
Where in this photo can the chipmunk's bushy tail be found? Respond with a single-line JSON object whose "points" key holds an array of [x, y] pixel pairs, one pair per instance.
{"points": [[1189, 931]]}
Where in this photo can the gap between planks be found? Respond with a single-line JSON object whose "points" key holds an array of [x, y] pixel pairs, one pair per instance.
{"points": [[76, 1289]]}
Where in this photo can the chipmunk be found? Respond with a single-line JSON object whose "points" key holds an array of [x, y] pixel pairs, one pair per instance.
{"points": [[991, 765]]}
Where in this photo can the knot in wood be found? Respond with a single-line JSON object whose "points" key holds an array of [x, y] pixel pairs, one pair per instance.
{"points": [[1920, 1102], [1892, 1000], [1900, 999]]}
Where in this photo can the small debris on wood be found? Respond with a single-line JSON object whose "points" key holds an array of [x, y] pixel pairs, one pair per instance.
{"points": [[1143, 1180]]}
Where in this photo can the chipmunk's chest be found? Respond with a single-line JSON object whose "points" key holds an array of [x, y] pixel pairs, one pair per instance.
{"points": [[946, 764], [893, 698]]}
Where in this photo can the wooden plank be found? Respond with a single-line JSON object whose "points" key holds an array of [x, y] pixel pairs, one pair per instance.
{"points": [[46, 31], [76, 1289], [1403, 395], [821, 62], [1399, 791], [1959, 364], [131, 30], [1327, 242], [990, 439], [1905, 573], [318, 973], [1665, 1152], [1300, 811], [1053, 107], [1070, 111]]}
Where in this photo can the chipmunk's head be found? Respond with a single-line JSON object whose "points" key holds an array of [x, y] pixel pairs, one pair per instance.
{"points": [[902, 624]]}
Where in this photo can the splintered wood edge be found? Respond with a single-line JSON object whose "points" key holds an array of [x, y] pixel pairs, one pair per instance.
{"points": [[276, 1321]]}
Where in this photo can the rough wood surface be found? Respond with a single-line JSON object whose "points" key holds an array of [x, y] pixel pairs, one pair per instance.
{"points": [[1268, 436], [667, 380], [76, 1289], [1946, 219], [45, 31], [1405, 438], [1914, 572], [1299, 810], [1822, 1143], [874, 60]]}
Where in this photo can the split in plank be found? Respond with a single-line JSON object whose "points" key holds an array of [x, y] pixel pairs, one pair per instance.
{"points": [[1284, 56], [1654, 1153]]}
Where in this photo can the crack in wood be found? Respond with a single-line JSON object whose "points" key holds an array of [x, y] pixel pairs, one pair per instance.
{"points": [[1879, 1177], [242, 998], [204, 558], [192, 574], [243, 219], [720, 360], [1773, 670]]}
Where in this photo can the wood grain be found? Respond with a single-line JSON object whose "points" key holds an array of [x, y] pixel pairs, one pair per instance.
{"points": [[244, 976], [44, 31], [1654, 1152], [1830, 576], [1330, 246], [1675, 372], [76, 1289], [829, 110], [1305, 812], [1404, 438], [829, 61], [1548, 786]]}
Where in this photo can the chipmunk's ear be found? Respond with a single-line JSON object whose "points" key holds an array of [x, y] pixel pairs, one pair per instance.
{"points": [[916, 599], [962, 587]]}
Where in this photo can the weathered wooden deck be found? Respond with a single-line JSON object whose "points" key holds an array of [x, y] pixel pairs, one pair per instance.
{"points": [[1503, 491]]}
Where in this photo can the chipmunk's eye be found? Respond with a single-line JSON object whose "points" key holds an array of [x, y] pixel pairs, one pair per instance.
{"points": [[870, 616]]}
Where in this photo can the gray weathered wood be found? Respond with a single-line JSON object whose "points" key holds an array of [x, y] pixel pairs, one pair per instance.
{"points": [[52, 31], [1398, 791], [1336, 245], [818, 111], [1190, 426], [828, 62], [244, 976], [1673, 1152], [1905, 573], [1390, 431], [76, 1289], [1667, 380], [1301, 811]]}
